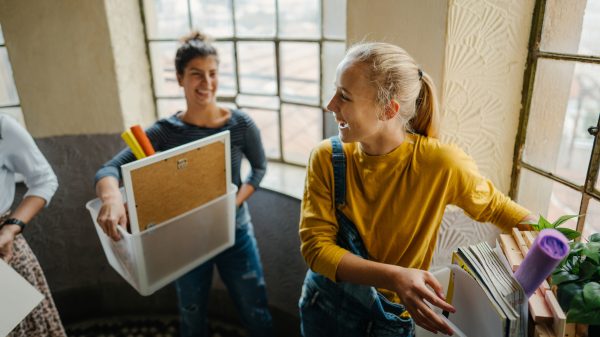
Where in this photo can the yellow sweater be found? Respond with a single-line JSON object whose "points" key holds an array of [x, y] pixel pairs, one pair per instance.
{"points": [[396, 202]]}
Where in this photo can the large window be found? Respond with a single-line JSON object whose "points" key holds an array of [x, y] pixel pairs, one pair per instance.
{"points": [[557, 154], [9, 99], [278, 60]]}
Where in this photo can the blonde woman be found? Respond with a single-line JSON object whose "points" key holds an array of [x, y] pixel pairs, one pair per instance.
{"points": [[374, 200]]}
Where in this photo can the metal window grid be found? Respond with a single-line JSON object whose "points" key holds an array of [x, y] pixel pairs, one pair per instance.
{"points": [[587, 190], [277, 41]]}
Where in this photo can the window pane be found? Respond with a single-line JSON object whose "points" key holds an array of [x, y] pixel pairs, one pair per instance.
{"points": [[166, 19], [565, 103], [333, 53], [543, 196], [212, 17], [592, 219], [162, 55], [302, 130], [299, 19], [8, 91], [300, 72], [334, 19], [1, 36], [257, 67], [169, 106], [227, 86], [264, 102], [255, 18], [573, 29], [268, 123], [14, 112]]}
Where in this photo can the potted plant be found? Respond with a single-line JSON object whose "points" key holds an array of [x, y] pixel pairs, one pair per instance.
{"points": [[577, 277]]}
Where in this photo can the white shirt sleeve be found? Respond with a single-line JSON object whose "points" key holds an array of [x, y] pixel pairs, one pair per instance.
{"points": [[23, 156]]}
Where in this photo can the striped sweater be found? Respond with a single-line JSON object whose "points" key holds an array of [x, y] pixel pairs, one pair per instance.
{"points": [[171, 132]]}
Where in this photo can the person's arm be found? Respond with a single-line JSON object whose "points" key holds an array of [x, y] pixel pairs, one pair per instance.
{"points": [[112, 212], [255, 153], [478, 196], [25, 158], [28, 208], [413, 286]]}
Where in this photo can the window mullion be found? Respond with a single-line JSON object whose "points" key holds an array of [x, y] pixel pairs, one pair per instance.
{"points": [[528, 80]]}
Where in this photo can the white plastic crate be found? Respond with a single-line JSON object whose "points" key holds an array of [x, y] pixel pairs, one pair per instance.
{"points": [[181, 206], [157, 256]]}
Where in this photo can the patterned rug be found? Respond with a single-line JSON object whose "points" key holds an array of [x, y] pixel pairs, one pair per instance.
{"points": [[157, 326]]}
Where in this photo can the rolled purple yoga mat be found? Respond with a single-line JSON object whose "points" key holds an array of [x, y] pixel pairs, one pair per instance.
{"points": [[547, 250]]}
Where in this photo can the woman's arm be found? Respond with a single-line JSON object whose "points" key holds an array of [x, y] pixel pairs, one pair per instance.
{"points": [[112, 212], [28, 208], [413, 286], [255, 153], [24, 157]]}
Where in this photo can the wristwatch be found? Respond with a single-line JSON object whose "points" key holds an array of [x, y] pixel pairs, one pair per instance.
{"points": [[14, 221]]}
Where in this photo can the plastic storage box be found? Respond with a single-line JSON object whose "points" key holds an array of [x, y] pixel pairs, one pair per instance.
{"points": [[166, 249]]}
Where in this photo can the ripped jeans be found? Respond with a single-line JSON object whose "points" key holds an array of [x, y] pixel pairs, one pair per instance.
{"points": [[241, 271]]}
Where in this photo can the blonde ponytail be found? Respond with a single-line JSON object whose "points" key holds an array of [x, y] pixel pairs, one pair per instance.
{"points": [[425, 122]]}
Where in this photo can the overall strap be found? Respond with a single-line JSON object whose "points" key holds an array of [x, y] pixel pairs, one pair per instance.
{"points": [[338, 159]]}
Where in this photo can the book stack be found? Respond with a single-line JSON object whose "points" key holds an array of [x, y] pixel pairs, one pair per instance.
{"points": [[138, 142], [497, 288]]}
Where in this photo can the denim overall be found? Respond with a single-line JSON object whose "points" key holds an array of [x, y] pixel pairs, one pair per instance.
{"points": [[345, 309]]}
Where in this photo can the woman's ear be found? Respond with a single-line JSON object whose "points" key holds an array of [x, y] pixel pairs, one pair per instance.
{"points": [[391, 110], [179, 79]]}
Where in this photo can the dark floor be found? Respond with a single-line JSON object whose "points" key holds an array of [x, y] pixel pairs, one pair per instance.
{"points": [[158, 326]]}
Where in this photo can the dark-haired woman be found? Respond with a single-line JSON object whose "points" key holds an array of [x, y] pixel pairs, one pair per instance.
{"points": [[374, 200], [196, 63]]}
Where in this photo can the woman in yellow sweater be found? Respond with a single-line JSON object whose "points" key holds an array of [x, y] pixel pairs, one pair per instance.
{"points": [[373, 203]]}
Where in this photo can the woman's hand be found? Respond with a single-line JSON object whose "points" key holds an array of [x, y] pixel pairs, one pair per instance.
{"points": [[7, 236], [112, 214], [414, 287]]}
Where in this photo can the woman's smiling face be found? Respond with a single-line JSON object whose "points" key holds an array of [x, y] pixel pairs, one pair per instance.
{"points": [[353, 104]]}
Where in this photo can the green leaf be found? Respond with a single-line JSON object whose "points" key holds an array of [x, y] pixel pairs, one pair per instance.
{"points": [[591, 295], [594, 237], [566, 293], [564, 219], [543, 223], [562, 277], [579, 312], [569, 233], [587, 270], [592, 251]]}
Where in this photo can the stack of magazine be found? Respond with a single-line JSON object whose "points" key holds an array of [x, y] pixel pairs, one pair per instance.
{"points": [[498, 288]]}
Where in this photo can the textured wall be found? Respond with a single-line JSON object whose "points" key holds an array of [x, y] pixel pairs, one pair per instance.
{"points": [[62, 63], [486, 51], [131, 62], [80, 67], [418, 26]]}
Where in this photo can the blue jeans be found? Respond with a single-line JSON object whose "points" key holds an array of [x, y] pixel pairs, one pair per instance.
{"points": [[241, 271], [329, 309]]}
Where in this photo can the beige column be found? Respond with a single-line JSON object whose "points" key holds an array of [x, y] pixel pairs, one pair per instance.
{"points": [[80, 67]]}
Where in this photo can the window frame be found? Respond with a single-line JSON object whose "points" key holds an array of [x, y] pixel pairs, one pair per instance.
{"points": [[276, 40], [587, 190]]}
